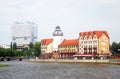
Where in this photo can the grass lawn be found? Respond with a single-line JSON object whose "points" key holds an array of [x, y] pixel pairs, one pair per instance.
{"points": [[3, 65]]}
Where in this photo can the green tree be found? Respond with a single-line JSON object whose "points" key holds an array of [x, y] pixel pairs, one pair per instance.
{"points": [[27, 52], [14, 46], [37, 48], [115, 47], [31, 45], [2, 52], [118, 47], [11, 46]]}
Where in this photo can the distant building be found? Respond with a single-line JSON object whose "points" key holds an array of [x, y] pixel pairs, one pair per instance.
{"points": [[94, 42], [23, 34], [5, 46], [68, 48]]}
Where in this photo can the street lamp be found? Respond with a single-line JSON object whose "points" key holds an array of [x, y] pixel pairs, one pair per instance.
{"points": [[102, 55], [118, 50], [32, 54]]}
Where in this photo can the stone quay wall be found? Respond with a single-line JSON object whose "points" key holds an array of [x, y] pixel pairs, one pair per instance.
{"points": [[70, 60]]}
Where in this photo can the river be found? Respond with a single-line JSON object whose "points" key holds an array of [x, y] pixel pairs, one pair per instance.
{"points": [[33, 70]]}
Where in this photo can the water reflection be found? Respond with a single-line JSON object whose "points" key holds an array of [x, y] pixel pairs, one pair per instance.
{"points": [[31, 70]]}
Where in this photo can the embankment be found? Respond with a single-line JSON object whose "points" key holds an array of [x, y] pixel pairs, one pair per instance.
{"points": [[70, 61], [97, 61]]}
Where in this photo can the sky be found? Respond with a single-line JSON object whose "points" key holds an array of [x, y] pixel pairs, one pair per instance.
{"points": [[73, 16]]}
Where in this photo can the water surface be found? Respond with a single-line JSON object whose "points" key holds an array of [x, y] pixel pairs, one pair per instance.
{"points": [[32, 70]]}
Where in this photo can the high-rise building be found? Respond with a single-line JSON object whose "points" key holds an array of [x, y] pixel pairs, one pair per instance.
{"points": [[23, 34]]}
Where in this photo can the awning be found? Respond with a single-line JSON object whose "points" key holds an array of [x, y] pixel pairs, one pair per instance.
{"points": [[84, 55], [67, 52]]}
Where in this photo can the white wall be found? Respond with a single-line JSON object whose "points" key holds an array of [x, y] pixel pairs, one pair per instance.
{"points": [[56, 41]]}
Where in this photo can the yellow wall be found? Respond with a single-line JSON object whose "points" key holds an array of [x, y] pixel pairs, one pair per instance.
{"points": [[70, 48], [103, 45], [47, 48]]}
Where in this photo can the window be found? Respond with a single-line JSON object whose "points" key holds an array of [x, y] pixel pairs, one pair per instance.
{"points": [[81, 37], [89, 41], [81, 46], [25, 38], [95, 41], [85, 37], [81, 50], [14, 38], [81, 42]]}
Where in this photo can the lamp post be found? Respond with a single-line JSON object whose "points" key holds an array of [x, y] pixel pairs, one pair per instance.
{"points": [[118, 50], [102, 55], [32, 54]]}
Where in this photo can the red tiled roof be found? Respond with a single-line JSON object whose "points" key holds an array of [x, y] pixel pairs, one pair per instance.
{"points": [[46, 41], [69, 42], [98, 33], [82, 34]]}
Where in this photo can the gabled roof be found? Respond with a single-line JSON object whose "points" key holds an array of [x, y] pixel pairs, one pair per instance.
{"points": [[98, 33], [82, 34], [46, 41], [69, 42]]}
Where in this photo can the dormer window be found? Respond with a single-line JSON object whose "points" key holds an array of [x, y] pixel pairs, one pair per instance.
{"points": [[85, 37], [90, 37], [95, 37], [25, 38]]}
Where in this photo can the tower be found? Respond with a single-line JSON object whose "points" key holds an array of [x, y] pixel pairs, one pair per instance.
{"points": [[57, 37]]}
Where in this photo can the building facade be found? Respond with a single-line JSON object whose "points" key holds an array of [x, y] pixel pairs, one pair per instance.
{"points": [[46, 48], [94, 42], [46, 45], [5, 46], [23, 34], [49, 47], [68, 48]]}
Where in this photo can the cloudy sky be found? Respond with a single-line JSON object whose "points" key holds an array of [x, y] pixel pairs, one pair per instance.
{"points": [[73, 16]]}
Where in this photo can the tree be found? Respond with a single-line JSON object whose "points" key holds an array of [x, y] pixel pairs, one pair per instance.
{"points": [[14, 46], [118, 47], [115, 47], [2, 52], [31, 45], [11, 46], [37, 48]]}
